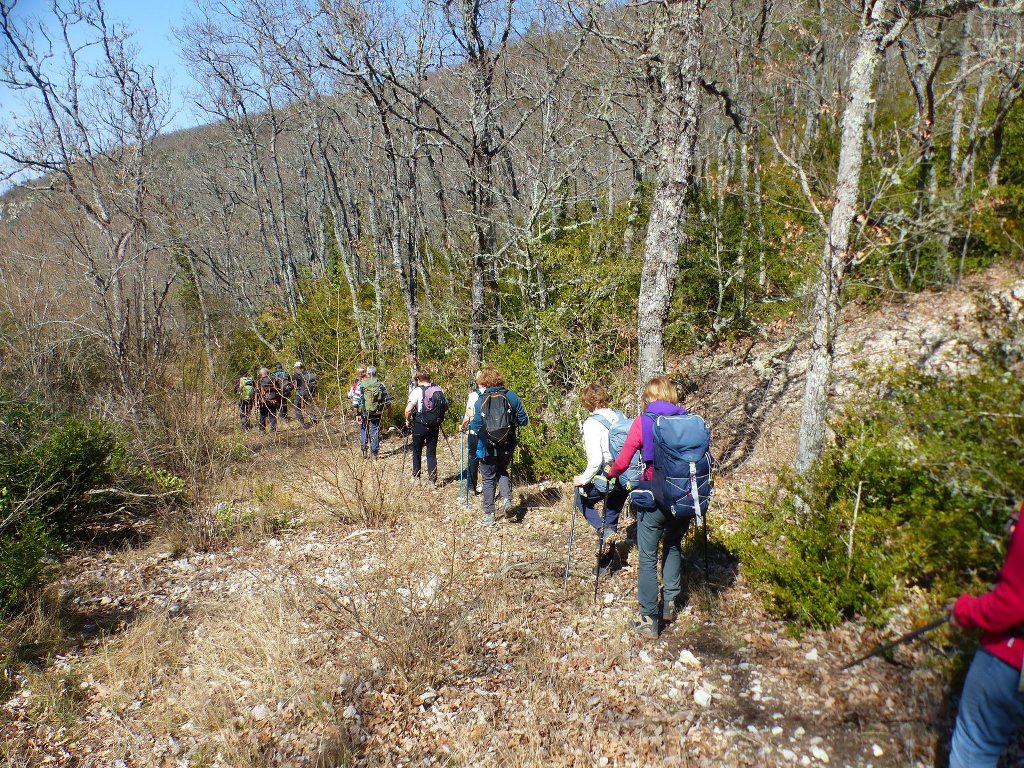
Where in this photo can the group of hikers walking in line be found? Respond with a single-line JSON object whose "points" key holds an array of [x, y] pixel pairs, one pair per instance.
{"points": [[266, 395], [660, 462]]}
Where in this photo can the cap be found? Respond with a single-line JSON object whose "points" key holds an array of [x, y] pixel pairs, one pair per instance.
{"points": [[298, 364]]}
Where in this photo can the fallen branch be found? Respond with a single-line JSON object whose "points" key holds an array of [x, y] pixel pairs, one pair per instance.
{"points": [[132, 494]]}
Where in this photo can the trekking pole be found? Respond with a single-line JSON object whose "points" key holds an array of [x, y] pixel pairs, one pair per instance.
{"points": [[600, 537], [572, 538], [463, 490], [702, 517], [910, 636]]}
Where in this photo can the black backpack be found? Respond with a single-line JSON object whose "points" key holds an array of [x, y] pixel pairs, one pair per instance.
{"points": [[284, 382], [435, 405], [499, 419]]}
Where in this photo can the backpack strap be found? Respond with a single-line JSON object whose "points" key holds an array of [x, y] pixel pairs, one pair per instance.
{"points": [[619, 416]]}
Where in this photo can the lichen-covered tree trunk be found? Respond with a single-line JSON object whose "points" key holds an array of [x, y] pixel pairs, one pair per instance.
{"points": [[877, 31], [677, 43]]}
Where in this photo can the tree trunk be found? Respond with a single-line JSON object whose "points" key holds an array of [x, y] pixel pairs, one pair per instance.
{"points": [[680, 38], [876, 34]]}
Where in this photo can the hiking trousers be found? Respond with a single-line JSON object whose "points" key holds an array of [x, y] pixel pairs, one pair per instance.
{"points": [[369, 432], [991, 713], [657, 527], [428, 439], [245, 410], [587, 499], [268, 415], [303, 406], [474, 462], [494, 471]]}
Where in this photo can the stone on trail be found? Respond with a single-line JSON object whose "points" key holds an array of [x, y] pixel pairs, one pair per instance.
{"points": [[702, 697], [819, 753], [811, 655], [877, 751], [687, 658]]}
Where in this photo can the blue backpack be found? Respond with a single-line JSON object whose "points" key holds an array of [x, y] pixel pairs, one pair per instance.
{"points": [[617, 432], [681, 482]]}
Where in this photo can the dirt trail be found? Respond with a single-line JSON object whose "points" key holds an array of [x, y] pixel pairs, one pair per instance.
{"points": [[356, 617]]}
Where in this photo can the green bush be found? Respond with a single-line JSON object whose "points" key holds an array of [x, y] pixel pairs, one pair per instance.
{"points": [[551, 452], [54, 474], [939, 463]]}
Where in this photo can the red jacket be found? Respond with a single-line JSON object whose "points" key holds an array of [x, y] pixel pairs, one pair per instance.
{"points": [[1000, 613]]}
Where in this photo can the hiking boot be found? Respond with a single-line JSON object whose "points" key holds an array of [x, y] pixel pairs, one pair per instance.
{"points": [[488, 521], [645, 626], [671, 609], [505, 508]]}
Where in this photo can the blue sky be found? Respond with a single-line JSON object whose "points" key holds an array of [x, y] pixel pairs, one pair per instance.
{"points": [[153, 23]]}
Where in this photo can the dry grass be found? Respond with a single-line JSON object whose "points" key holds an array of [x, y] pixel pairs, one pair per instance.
{"points": [[243, 670]]}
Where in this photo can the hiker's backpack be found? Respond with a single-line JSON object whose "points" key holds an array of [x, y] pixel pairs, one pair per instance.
{"points": [[372, 396], [284, 382], [246, 389], [499, 420], [681, 481], [617, 432], [435, 405], [309, 379], [269, 392]]}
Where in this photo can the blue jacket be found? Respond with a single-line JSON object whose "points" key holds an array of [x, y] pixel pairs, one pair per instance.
{"points": [[484, 448]]}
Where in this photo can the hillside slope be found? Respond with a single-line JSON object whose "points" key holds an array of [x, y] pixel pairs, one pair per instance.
{"points": [[352, 616]]}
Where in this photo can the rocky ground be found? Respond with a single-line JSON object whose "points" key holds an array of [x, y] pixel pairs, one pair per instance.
{"points": [[337, 613]]}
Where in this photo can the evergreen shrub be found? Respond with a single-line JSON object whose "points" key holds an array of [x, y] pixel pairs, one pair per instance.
{"points": [[940, 466], [51, 469]]}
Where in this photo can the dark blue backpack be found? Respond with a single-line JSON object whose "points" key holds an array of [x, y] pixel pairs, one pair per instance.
{"points": [[681, 481], [617, 432]]}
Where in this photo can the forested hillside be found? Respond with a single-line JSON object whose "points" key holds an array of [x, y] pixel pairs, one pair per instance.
{"points": [[807, 214]]}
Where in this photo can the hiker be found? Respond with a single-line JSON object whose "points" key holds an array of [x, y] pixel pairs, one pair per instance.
{"points": [[353, 391], [991, 709], [496, 416], [268, 398], [245, 388], [305, 387], [284, 385], [471, 439], [424, 412], [373, 401], [591, 485], [655, 525]]}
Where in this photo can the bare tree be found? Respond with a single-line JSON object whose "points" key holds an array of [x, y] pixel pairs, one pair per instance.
{"points": [[94, 113]]}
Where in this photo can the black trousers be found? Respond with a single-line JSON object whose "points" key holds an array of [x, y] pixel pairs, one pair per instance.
{"points": [[245, 410], [268, 413], [474, 462], [428, 439]]}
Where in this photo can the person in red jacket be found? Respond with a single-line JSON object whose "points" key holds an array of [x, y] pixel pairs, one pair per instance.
{"points": [[992, 703], [655, 526]]}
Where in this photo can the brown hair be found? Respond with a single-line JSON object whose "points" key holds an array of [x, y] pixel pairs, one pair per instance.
{"points": [[594, 396], [422, 376], [490, 377], [661, 388]]}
